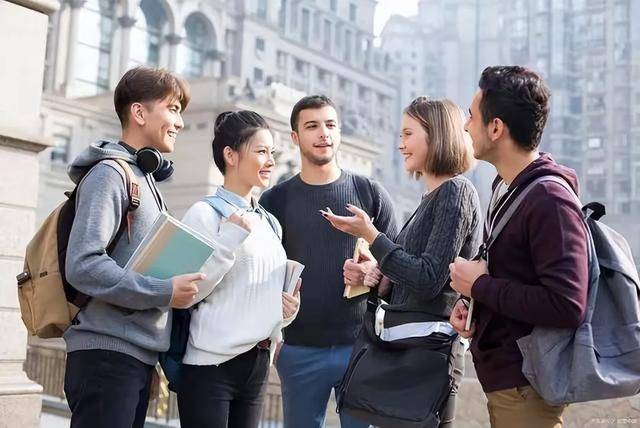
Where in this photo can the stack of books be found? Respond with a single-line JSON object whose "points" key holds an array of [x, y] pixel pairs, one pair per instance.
{"points": [[170, 248]]}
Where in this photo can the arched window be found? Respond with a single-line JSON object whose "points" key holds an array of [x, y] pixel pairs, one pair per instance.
{"points": [[93, 55], [193, 50], [147, 34]]}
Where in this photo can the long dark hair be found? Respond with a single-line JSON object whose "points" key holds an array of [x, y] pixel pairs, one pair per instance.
{"points": [[234, 129]]}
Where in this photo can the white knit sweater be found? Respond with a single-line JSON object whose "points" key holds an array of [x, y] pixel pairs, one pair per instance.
{"points": [[246, 275]]}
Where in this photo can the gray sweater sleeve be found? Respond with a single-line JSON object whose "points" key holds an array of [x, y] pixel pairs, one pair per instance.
{"points": [[426, 273], [100, 205]]}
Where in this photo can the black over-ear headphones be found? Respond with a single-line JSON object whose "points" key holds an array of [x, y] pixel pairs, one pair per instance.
{"points": [[151, 161]]}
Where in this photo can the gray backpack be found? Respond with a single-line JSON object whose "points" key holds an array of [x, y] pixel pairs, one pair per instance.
{"points": [[601, 358]]}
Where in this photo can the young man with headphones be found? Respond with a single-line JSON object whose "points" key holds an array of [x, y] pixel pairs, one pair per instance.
{"points": [[113, 344]]}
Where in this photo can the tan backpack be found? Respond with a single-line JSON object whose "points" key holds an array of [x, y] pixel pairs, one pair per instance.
{"points": [[48, 303]]}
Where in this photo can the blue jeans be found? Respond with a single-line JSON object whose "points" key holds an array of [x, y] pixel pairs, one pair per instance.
{"points": [[307, 375]]}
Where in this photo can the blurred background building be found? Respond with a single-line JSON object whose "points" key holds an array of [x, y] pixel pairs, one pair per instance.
{"points": [[264, 55], [256, 54], [588, 51]]}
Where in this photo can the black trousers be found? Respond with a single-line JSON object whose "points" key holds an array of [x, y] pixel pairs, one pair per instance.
{"points": [[106, 389], [229, 395]]}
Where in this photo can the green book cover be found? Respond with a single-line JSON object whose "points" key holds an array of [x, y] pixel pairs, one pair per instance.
{"points": [[171, 249]]}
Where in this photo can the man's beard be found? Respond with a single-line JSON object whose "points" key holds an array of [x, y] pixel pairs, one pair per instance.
{"points": [[316, 160]]}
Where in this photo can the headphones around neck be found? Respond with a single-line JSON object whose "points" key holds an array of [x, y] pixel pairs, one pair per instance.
{"points": [[151, 161]]}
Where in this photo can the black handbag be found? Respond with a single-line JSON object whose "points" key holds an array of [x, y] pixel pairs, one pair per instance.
{"points": [[401, 369]]}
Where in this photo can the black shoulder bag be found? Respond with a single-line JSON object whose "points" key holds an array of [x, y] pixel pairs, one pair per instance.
{"points": [[401, 369]]}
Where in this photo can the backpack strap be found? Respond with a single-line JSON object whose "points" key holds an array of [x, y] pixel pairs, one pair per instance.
{"points": [[516, 203], [131, 181], [133, 194], [369, 198], [220, 206], [225, 209]]}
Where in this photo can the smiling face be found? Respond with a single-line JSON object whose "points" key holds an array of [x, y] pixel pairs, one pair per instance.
{"points": [[318, 134], [477, 130], [162, 120], [255, 159], [413, 145]]}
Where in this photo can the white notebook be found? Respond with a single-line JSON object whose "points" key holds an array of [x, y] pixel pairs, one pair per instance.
{"points": [[294, 269]]}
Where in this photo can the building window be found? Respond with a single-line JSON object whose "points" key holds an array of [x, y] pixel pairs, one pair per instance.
{"points": [[323, 76], [347, 45], [260, 44], [306, 21], [193, 50], [543, 5], [61, 142], [596, 187], [594, 143], [353, 10], [575, 105], [147, 34], [95, 35], [263, 7], [281, 59], [316, 27], [294, 14], [327, 36], [282, 16], [52, 42], [258, 75], [334, 5], [622, 140]]}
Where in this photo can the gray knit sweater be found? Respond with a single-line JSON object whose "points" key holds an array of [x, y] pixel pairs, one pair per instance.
{"points": [[128, 312], [445, 225]]}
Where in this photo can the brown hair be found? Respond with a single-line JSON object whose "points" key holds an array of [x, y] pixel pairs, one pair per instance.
{"points": [[144, 84], [309, 102], [450, 150]]}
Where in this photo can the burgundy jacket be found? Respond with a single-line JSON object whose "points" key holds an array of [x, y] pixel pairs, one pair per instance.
{"points": [[538, 275]]}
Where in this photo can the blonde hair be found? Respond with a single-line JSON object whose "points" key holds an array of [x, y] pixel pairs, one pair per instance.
{"points": [[450, 149]]}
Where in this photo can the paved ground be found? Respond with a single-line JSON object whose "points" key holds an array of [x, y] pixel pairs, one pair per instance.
{"points": [[48, 420]]}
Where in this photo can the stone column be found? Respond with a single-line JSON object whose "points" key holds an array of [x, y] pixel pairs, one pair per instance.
{"points": [[126, 23], [72, 43], [23, 35], [173, 40], [213, 64]]}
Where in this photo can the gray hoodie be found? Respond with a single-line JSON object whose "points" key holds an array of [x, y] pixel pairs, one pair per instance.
{"points": [[128, 312]]}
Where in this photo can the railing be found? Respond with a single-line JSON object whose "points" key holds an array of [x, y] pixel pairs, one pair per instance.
{"points": [[46, 364]]}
